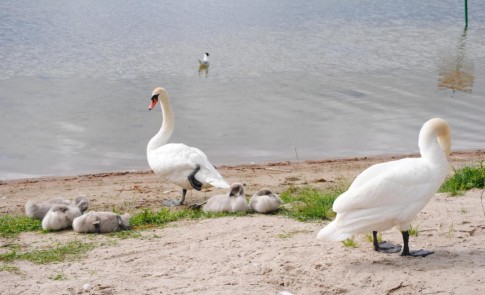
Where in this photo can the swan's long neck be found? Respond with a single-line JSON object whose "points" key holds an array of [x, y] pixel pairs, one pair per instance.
{"points": [[435, 141], [168, 124]]}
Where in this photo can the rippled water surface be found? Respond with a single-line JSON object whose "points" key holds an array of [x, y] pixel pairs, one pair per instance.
{"points": [[288, 80]]}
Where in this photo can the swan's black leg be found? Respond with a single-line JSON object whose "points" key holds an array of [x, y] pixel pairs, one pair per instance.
{"points": [[384, 247], [194, 182], [416, 253], [172, 203]]}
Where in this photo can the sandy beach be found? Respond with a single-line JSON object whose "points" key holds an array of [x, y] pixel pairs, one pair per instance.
{"points": [[255, 254]]}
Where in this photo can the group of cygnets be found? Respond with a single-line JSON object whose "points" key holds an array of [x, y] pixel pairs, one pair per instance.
{"points": [[263, 201], [57, 214]]}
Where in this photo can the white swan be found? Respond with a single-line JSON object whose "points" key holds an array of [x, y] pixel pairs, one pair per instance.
{"points": [[393, 193], [40, 210], [101, 222], [205, 60], [264, 201], [185, 166], [60, 217], [234, 201]]}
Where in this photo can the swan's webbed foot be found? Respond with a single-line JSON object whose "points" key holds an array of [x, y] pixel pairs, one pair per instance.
{"points": [[417, 253], [384, 247], [172, 203], [193, 181]]}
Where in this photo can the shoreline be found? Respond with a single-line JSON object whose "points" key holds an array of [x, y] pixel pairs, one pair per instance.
{"points": [[383, 157], [133, 190]]}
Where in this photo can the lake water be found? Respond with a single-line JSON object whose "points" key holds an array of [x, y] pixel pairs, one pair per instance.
{"points": [[288, 79]]}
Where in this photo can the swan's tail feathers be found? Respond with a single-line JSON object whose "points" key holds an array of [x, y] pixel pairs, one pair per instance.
{"points": [[331, 232], [220, 183]]}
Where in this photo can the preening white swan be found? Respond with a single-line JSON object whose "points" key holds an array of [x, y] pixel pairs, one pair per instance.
{"points": [[264, 201], [101, 222], [40, 210], [185, 166], [234, 201], [393, 193], [60, 217]]}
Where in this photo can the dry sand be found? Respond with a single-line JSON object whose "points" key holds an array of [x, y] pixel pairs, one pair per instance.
{"points": [[256, 254]]}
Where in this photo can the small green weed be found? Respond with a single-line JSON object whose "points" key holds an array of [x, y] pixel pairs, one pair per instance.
{"points": [[350, 243], [413, 231], [451, 230], [465, 179], [58, 277], [9, 268], [370, 238]]}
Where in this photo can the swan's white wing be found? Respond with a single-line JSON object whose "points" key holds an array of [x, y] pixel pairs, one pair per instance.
{"points": [[174, 162], [373, 171], [398, 184]]}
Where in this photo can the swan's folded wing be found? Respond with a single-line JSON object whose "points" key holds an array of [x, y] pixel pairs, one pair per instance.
{"points": [[374, 171], [400, 186], [174, 157], [208, 173], [177, 161]]}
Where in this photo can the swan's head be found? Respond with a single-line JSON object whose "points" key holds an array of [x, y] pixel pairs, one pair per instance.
{"points": [[264, 192], [60, 208], [437, 128], [206, 54], [236, 190], [157, 94]]}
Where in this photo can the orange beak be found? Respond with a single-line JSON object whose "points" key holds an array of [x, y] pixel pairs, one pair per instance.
{"points": [[154, 102]]}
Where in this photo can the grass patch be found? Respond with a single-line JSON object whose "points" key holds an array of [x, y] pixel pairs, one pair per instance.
{"points": [[125, 234], [148, 218], [465, 179], [315, 204], [58, 253], [9, 268], [12, 226]]}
